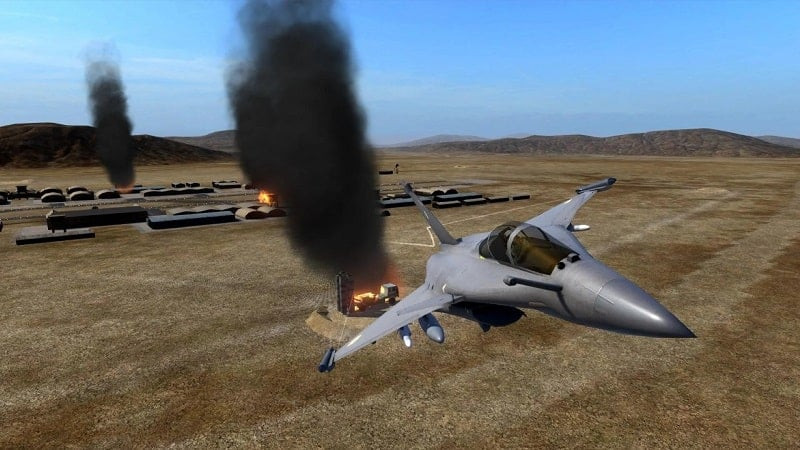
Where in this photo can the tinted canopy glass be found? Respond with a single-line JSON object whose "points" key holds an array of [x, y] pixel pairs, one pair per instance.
{"points": [[524, 246], [496, 245], [530, 248]]}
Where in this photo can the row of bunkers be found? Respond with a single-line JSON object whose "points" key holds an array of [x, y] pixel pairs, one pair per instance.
{"points": [[81, 193], [446, 197], [77, 223]]}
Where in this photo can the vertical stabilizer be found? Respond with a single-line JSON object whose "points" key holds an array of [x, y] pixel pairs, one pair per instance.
{"points": [[436, 226]]}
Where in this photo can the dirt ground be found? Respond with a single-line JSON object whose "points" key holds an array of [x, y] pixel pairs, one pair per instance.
{"points": [[197, 337]]}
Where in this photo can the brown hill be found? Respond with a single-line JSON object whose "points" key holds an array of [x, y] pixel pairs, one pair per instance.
{"points": [[780, 140], [51, 144], [694, 142], [438, 139], [222, 141]]}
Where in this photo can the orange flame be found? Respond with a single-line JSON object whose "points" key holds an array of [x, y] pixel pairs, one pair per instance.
{"points": [[263, 197], [390, 275], [364, 300], [126, 189]]}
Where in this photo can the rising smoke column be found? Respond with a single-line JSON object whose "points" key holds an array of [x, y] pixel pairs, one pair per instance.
{"points": [[300, 132], [109, 109]]}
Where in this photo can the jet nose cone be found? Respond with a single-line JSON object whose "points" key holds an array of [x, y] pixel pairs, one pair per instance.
{"points": [[625, 307]]}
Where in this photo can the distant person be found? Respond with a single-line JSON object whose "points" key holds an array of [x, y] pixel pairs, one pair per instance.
{"points": [[397, 168]]}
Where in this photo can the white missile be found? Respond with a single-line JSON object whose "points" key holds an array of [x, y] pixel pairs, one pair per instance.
{"points": [[405, 333]]}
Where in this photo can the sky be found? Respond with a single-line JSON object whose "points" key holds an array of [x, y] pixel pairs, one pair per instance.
{"points": [[486, 68]]}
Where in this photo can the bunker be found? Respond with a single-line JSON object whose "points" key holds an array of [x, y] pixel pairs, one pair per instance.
{"points": [[459, 197], [40, 234], [272, 211], [473, 201], [400, 202], [201, 209], [53, 197], [95, 217], [48, 190], [396, 202], [81, 195], [158, 192], [226, 184], [434, 191], [446, 204], [497, 198], [250, 214], [72, 189], [190, 220], [136, 189], [107, 194]]}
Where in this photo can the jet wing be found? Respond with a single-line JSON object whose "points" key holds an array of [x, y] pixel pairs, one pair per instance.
{"points": [[561, 234], [557, 220], [563, 213], [420, 302]]}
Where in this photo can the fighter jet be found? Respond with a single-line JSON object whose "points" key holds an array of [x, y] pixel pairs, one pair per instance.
{"points": [[538, 264]]}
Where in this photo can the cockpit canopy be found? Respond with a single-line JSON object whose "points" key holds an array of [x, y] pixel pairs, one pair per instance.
{"points": [[524, 246]]}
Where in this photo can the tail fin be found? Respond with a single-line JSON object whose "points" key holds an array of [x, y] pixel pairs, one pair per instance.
{"points": [[437, 227]]}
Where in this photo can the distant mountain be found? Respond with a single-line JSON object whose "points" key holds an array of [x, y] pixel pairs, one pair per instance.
{"points": [[51, 144], [439, 138], [224, 141], [221, 141], [780, 140], [693, 142]]}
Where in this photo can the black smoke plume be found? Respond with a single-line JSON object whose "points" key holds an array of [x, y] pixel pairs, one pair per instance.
{"points": [[109, 109], [300, 132]]}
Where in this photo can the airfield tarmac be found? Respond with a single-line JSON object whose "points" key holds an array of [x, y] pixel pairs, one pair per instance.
{"points": [[197, 337]]}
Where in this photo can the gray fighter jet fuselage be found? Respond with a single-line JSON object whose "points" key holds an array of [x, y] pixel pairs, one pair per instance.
{"points": [[579, 289], [538, 264]]}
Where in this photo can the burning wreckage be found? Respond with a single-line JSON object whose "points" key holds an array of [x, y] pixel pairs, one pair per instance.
{"points": [[369, 304], [364, 304]]}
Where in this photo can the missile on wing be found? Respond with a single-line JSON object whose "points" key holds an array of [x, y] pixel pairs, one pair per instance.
{"points": [[405, 334], [431, 326], [327, 364], [574, 228], [599, 186]]}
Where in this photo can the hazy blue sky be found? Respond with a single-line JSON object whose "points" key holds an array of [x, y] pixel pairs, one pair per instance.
{"points": [[488, 68]]}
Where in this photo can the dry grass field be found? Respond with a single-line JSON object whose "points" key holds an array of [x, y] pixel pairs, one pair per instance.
{"points": [[197, 337]]}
